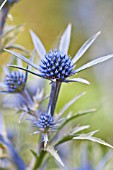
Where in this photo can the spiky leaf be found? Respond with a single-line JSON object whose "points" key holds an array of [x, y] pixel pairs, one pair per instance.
{"points": [[85, 47], [94, 62], [65, 40], [89, 136], [54, 153]]}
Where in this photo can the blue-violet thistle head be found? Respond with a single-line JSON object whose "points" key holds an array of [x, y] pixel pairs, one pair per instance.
{"points": [[56, 65], [15, 81], [45, 122]]}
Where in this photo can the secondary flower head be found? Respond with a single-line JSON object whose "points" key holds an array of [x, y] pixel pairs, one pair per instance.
{"points": [[15, 81], [44, 122], [45, 125], [57, 65]]}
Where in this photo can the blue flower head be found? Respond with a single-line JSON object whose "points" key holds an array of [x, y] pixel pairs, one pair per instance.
{"points": [[56, 65], [15, 81], [45, 125], [45, 121]]}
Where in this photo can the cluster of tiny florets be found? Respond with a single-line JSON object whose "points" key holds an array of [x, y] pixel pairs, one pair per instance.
{"points": [[56, 65], [45, 121], [15, 81]]}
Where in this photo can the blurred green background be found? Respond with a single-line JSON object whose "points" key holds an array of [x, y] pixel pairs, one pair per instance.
{"points": [[48, 19]]}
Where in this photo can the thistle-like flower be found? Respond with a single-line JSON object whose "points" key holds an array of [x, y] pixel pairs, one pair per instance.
{"points": [[57, 65], [45, 125], [15, 82]]}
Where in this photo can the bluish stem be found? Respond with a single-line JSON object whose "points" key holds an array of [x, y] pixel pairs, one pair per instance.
{"points": [[55, 88]]}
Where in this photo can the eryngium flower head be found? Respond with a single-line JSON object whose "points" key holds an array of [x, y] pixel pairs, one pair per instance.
{"points": [[15, 81], [44, 122], [56, 65]]}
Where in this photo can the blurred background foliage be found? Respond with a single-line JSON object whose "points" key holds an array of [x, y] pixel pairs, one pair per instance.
{"points": [[48, 19]]}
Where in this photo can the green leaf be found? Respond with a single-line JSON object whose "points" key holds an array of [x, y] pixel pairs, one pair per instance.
{"points": [[54, 153], [70, 134], [39, 160], [34, 154], [77, 115], [89, 136]]}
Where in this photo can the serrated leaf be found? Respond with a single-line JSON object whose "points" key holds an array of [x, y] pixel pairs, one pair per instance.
{"points": [[85, 47], [67, 105], [94, 62], [71, 134], [65, 40], [54, 153], [76, 115], [22, 58], [79, 80], [38, 45], [89, 136]]}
